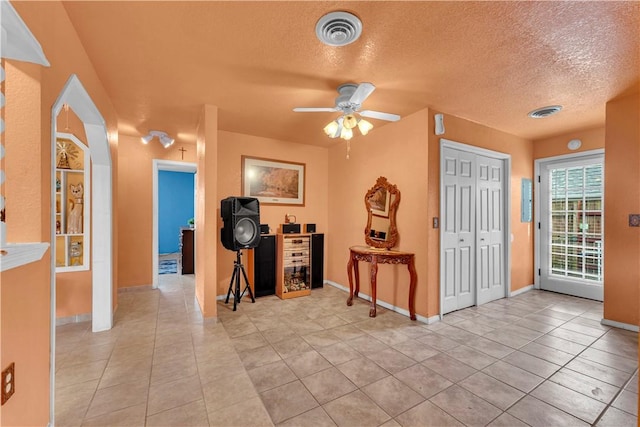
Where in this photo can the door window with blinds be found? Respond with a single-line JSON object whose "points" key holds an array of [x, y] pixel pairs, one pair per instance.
{"points": [[576, 217], [572, 226]]}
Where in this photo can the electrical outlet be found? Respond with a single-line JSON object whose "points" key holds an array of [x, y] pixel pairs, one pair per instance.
{"points": [[8, 382]]}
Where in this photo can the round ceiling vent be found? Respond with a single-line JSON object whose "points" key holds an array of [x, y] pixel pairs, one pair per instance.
{"points": [[545, 111], [338, 28]]}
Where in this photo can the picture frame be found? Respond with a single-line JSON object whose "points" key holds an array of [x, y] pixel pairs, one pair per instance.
{"points": [[379, 202], [273, 182]]}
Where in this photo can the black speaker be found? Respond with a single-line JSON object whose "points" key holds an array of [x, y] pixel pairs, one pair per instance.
{"points": [[317, 260], [290, 228], [241, 218], [264, 228], [264, 266], [309, 228]]}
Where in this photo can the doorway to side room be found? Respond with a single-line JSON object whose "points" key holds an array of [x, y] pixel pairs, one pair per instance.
{"points": [[173, 206]]}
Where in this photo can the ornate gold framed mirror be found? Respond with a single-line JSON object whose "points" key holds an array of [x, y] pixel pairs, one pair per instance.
{"points": [[382, 202]]}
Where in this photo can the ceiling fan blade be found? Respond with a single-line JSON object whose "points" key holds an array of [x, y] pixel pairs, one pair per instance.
{"points": [[315, 110], [379, 115], [362, 92]]}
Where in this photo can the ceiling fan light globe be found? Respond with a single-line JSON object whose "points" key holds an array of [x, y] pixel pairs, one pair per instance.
{"points": [[364, 126], [350, 121], [346, 133], [331, 129]]}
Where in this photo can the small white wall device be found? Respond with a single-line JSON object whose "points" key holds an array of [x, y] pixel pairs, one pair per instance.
{"points": [[439, 118]]}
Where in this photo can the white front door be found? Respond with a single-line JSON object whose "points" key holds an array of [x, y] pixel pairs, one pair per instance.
{"points": [[572, 226]]}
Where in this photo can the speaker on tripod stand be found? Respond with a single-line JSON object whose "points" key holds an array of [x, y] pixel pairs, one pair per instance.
{"points": [[241, 230]]}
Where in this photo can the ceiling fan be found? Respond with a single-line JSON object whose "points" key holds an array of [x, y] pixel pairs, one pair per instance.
{"points": [[349, 103]]}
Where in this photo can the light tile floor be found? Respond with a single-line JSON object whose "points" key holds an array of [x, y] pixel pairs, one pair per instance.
{"points": [[539, 359]]}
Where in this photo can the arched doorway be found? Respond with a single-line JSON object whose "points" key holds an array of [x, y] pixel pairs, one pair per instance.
{"points": [[76, 97]]}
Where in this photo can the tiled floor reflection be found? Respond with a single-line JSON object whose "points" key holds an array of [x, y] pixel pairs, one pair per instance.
{"points": [[538, 359]]}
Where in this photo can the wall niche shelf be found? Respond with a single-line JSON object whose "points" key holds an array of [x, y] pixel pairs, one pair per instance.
{"points": [[72, 204]]}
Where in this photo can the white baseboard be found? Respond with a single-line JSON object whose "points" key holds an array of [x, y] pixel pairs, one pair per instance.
{"points": [[520, 291], [73, 319], [404, 312], [620, 325], [337, 285]]}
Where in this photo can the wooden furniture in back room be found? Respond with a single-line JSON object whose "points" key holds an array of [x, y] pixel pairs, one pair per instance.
{"points": [[186, 249]]}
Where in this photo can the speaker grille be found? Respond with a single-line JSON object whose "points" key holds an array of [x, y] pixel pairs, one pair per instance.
{"points": [[246, 231]]}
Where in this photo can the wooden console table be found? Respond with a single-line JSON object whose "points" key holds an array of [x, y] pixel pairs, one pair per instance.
{"points": [[374, 257]]}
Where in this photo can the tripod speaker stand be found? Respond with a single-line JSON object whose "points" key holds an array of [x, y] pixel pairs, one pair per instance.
{"points": [[234, 283]]}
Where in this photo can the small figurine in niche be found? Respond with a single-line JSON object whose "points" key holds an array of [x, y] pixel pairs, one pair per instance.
{"points": [[74, 222], [75, 252], [58, 231], [66, 152]]}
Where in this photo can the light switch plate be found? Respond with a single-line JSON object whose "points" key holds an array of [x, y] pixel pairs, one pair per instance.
{"points": [[634, 220]]}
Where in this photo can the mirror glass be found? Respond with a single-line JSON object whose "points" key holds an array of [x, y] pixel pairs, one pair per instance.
{"points": [[382, 202]]}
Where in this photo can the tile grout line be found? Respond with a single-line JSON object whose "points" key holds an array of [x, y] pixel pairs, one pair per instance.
{"points": [[544, 379], [608, 405]]}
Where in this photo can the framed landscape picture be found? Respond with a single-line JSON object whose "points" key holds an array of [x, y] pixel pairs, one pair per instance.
{"points": [[273, 182]]}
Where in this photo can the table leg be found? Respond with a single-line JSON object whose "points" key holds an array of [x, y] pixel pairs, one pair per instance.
{"points": [[374, 285], [412, 288], [356, 274], [349, 274]]}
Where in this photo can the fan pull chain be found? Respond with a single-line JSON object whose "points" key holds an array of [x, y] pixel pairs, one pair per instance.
{"points": [[348, 148]]}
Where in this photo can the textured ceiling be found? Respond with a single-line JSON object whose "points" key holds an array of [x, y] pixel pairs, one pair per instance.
{"points": [[488, 62]]}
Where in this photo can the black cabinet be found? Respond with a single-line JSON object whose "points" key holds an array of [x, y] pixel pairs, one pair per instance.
{"points": [[186, 249], [262, 266], [317, 260]]}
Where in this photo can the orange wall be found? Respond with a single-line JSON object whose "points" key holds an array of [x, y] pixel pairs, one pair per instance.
{"points": [[521, 151], [592, 139], [31, 91], [408, 154], [622, 197], [25, 310], [135, 200], [397, 151], [231, 146], [206, 234], [25, 341]]}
